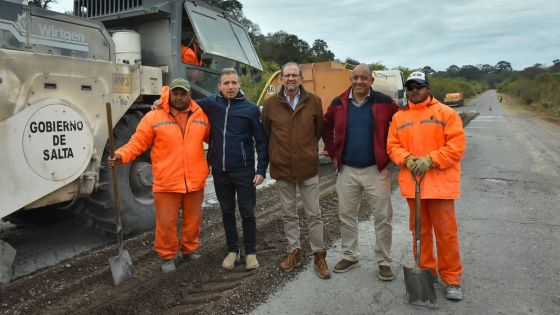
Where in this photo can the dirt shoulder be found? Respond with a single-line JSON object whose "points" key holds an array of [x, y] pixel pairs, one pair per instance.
{"points": [[514, 104], [84, 284]]}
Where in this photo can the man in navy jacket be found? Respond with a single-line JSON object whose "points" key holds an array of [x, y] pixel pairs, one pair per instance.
{"points": [[236, 131]]}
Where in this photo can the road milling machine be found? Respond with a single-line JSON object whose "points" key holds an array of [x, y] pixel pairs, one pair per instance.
{"points": [[57, 72]]}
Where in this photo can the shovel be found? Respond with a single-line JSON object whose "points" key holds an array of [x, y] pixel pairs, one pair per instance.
{"points": [[121, 265], [7, 255], [419, 281]]}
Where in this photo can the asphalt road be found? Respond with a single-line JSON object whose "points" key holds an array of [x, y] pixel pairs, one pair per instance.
{"points": [[509, 228]]}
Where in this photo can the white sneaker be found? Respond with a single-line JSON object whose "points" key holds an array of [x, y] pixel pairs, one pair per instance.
{"points": [[251, 262], [454, 292], [168, 265], [230, 260]]}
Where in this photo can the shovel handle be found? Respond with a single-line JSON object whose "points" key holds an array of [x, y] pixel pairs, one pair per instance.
{"points": [[116, 195], [417, 222]]}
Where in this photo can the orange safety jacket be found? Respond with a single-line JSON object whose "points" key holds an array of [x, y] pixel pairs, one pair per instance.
{"points": [[429, 128], [178, 162], [189, 56]]}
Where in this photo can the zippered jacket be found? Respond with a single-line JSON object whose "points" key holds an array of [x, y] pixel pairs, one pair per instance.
{"points": [[430, 128], [236, 132], [293, 135], [335, 124], [178, 162]]}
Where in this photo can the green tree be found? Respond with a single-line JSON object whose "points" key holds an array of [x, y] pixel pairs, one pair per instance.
{"points": [[453, 71], [233, 7], [488, 68], [428, 70], [442, 85], [253, 29], [254, 88], [533, 71], [377, 66], [504, 66], [555, 65], [44, 4], [470, 72], [406, 71], [320, 51], [351, 61], [282, 47]]}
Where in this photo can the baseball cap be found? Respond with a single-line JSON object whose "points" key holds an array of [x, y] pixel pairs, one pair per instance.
{"points": [[180, 84], [418, 77]]}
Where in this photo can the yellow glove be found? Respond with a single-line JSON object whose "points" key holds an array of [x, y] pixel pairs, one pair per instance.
{"points": [[422, 165], [410, 161]]}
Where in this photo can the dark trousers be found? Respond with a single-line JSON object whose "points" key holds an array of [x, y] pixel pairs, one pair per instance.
{"points": [[227, 185]]}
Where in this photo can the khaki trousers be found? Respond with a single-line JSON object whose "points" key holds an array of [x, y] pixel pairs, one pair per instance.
{"points": [[309, 190], [351, 184]]}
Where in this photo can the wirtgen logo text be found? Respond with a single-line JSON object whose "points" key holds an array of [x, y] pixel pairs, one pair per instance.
{"points": [[59, 32]]}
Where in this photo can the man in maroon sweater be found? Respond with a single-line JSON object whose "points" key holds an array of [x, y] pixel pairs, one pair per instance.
{"points": [[355, 130]]}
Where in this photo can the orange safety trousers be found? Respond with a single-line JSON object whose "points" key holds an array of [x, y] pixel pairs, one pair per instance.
{"points": [[438, 215], [167, 212]]}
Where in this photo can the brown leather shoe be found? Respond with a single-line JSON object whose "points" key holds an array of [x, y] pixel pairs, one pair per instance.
{"points": [[293, 260], [345, 265], [320, 265], [385, 273]]}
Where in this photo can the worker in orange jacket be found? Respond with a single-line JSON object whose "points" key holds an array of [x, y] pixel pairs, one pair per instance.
{"points": [[190, 55], [428, 138], [176, 132]]}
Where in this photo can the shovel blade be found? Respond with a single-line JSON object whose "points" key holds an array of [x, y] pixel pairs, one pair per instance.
{"points": [[7, 256], [420, 288], [122, 268]]}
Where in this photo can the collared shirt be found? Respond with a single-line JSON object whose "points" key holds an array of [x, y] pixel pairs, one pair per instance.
{"points": [[363, 102], [294, 102], [181, 117]]}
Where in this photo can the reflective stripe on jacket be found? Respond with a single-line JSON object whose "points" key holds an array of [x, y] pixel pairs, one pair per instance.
{"points": [[429, 128], [178, 162]]}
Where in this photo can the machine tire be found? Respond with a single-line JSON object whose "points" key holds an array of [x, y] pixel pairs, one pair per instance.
{"points": [[135, 188]]}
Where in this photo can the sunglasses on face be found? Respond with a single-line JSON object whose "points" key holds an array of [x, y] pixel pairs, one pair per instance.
{"points": [[416, 87]]}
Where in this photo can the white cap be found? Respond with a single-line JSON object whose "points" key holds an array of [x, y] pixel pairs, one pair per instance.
{"points": [[418, 77]]}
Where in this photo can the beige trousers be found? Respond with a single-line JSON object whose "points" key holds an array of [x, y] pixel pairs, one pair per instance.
{"points": [[309, 190], [351, 184]]}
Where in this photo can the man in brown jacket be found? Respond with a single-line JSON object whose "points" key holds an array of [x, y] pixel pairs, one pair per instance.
{"points": [[293, 119]]}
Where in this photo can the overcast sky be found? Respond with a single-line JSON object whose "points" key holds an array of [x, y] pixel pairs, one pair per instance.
{"points": [[413, 34]]}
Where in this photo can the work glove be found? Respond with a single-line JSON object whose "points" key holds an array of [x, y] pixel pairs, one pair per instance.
{"points": [[410, 161], [422, 165]]}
